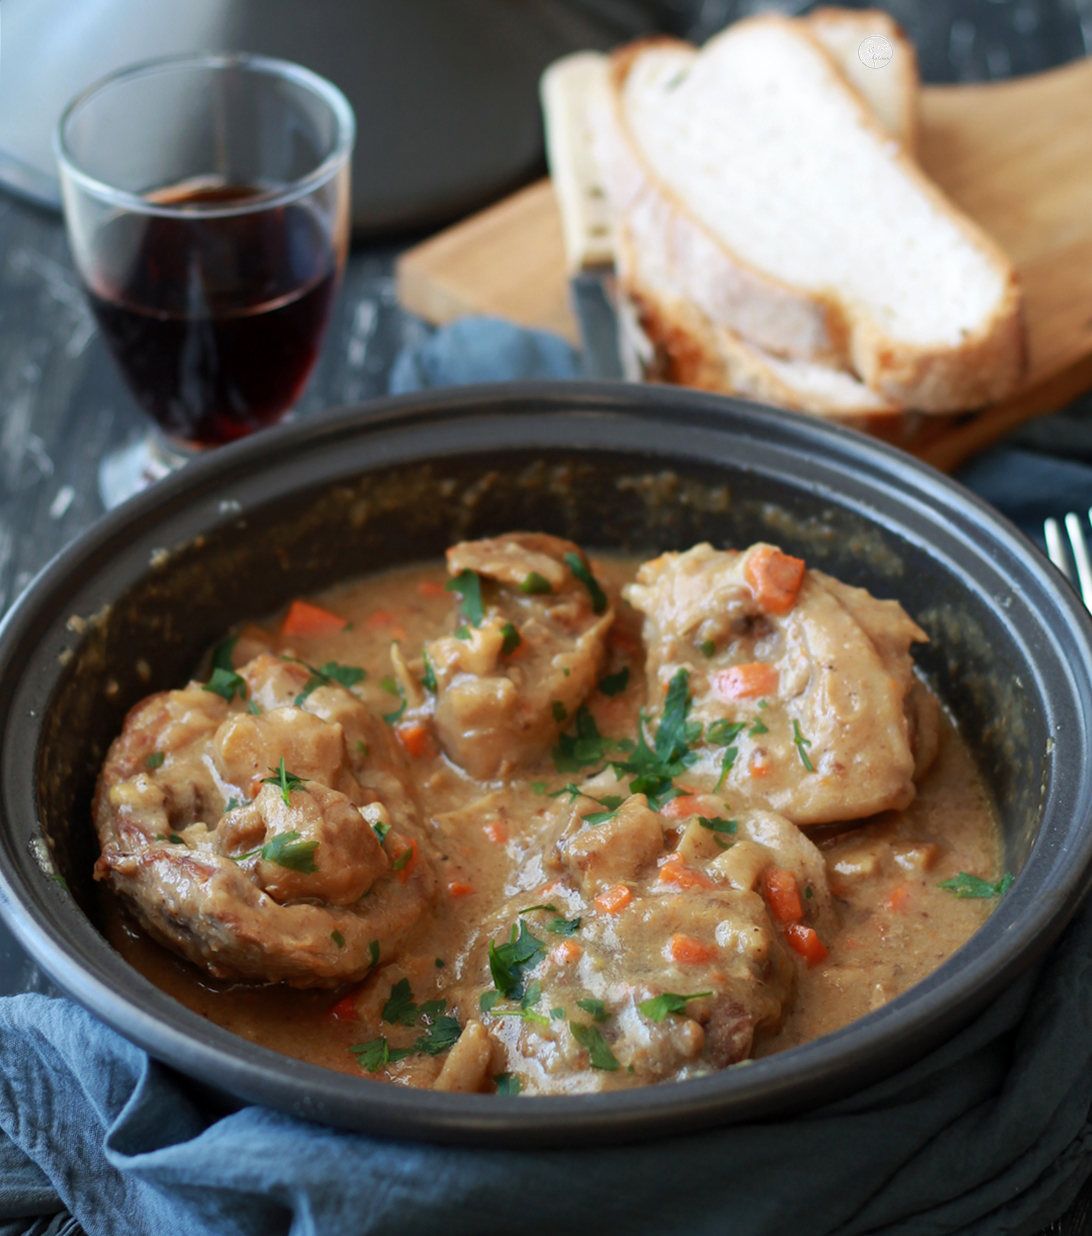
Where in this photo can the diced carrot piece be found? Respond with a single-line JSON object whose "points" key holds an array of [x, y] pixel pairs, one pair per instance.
{"points": [[496, 831], [898, 899], [681, 808], [458, 889], [775, 578], [745, 682], [759, 767], [675, 872], [378, 618], [345, 1009], [804, 941], [410, 863], [614, 899], [567, 952], [690, 952], [416, 739], [303, 618], [783, 896], [430, 589]]}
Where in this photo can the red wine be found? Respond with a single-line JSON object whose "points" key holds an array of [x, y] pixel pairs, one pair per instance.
{"points": [[214, 322]]}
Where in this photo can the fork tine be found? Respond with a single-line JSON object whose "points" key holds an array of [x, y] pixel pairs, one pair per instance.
{"points": [[1079, 541], [1052, 531]]}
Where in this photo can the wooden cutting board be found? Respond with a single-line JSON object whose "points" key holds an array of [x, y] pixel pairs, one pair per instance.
{"points": [[1015, 155]]}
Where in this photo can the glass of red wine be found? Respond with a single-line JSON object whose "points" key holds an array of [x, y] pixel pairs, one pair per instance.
{"points": [[207, 205]]}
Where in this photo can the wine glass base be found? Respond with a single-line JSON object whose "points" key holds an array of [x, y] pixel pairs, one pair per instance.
{"points": [[131, 468]]}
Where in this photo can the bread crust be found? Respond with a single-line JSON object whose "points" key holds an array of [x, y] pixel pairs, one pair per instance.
{"points": [[795, 322]]}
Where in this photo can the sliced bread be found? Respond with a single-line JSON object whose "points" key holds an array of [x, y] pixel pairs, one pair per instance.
{"points": [[782, 211]]}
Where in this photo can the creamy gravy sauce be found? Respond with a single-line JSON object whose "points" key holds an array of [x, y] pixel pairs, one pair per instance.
{"points": [[895, 925]]}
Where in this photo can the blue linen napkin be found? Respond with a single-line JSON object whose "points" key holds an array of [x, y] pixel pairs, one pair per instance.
{"points": [[988, 1135]]}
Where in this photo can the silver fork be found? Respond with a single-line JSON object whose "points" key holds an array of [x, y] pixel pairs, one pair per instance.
{"points": [[1076, 528]]}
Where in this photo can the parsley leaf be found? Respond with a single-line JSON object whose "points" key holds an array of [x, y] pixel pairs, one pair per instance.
{"points": [[545, 906], [463, 633], [758, 726], [227, 684], [658, 1007], [375, 1054], [403, 859], [675, 735], [582, 749], [337, 938], [582, 573], [591, 1039], [429, 679], [800, 742], [393, 688], [509, 962], [373, 951], [286, 850], [442, 1034], [563, 926], [533, 584], [615, 684], [654, 768], [724, 733], [966, 885], [344, 675], [155, 760], [400, 1009], [595, 1007], [221, 658], [718, 825], [559, 711], [507, 1083], [286, 780], [469, 587], [512, 639], [708, 648], [599, 817]]}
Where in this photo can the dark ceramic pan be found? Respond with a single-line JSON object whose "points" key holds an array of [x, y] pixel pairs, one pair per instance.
{"points": [[132, 605]]}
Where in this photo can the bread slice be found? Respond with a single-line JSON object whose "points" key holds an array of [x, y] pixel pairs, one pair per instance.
{"points": [[783, 212], [569, 86], [890, 91], [663, 337]]}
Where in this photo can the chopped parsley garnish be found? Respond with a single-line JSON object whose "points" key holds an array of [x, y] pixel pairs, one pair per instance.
{"points": [[362, 747], [512, 639], [373, 1055], [463, 633], [533, 584], [155, 760], [558, 1013], [373, 951], [429, 679], [718, 825], [726, 764], [578, 568], [381, 828], [595, 1007], [221, 658], [654, 768], [800, 742], [966, 885], [395, 688], [808, 892], [538, 787], [758, 726], [400, 1009], [402, 861], [510, 961], [439, 963], [658, 1007], [442, 1034], [469, 587], [724, 733], [584, 748], [563, 926], [286, 850], [545, 906], [507, 1083], [286, 780], [708, 648], [591, 1039], [337, 938], [232, 804], [175, 839], [559, 711], [227, 684], [253, 709], [344, 675], [599, 817], [615, 684]]}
